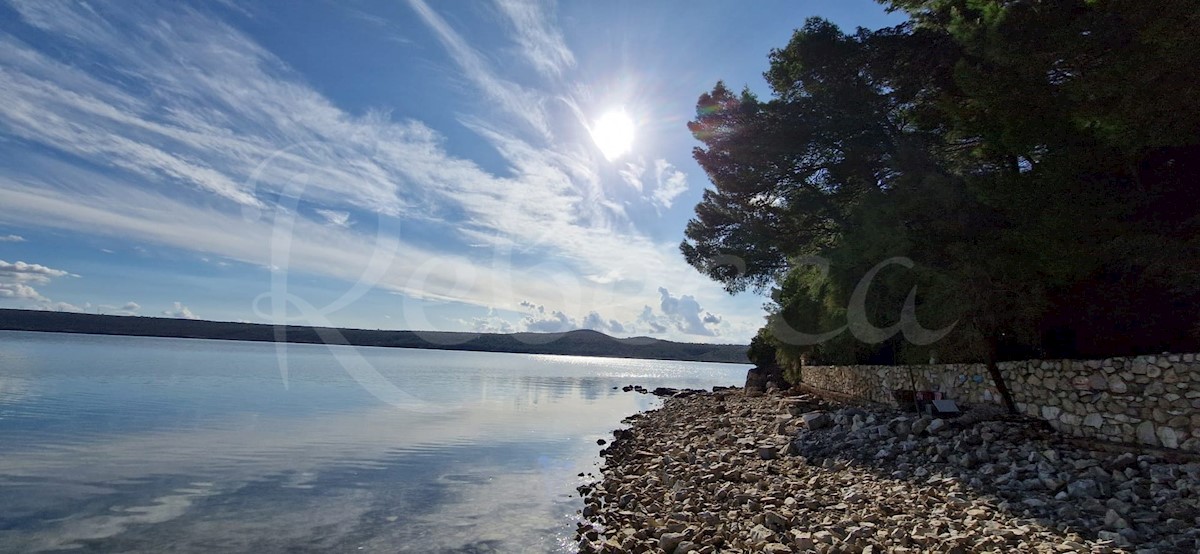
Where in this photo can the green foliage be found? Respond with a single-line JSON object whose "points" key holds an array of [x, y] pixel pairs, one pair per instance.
{"points": [[762, 349], [1037, 161]]}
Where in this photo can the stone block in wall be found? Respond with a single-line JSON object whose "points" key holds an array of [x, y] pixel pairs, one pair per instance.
{"points": [[1146, 433], [1168, 437]]}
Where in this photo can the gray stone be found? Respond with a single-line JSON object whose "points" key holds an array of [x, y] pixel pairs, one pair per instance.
{"points": [[1083, 488], [919, 425], [760, 533], [1168, 437], [816, 420], [935, 426], [1145, 433], [1050, 413], [793, 407], [1113, 520], [669, 542], [1123, 461], [775, 521], [1094, 420]]}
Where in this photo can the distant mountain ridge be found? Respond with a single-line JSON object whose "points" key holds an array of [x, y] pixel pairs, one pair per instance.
{"points": [[573, 343]]}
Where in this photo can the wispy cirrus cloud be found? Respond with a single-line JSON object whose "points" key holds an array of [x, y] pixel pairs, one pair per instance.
{"points": [[541, 42], [178, 129], [334, 217], [520, 103]]}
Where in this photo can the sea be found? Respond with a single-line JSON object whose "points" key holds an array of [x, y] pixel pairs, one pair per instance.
{"points": [[135, 444]]}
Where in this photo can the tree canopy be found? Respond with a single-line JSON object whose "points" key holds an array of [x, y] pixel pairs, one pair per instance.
{"points": [[1037, 164]]}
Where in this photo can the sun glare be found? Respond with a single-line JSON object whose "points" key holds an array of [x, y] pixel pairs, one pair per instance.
{"points": [[613, 134]]}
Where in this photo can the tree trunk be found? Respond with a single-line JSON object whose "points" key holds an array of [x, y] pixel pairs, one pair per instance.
{"points": [[997, 378]]}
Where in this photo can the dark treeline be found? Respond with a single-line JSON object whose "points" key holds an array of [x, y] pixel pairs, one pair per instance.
{"points": [[1038, 162], [573, 343]]}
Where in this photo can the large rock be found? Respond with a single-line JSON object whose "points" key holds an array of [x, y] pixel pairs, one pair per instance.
{"points": [[816, 420], [759, 379]]}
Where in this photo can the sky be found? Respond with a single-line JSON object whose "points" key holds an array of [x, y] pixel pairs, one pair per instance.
{"points": [[456, 166]]}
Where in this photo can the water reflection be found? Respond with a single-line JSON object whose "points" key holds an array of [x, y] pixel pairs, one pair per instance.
{"points": [[138, 444]]}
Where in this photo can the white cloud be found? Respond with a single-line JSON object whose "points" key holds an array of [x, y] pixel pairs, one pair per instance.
{"points": [[534, 307], [541, 42], [654, 324], [632, 174], [12, 238], [553, 322], [669, 183], [60, 307], [22, 272], [490, 323], [19, 290], [17, 278], [179, 311], [335, 217], [15, 284], [597, 322], [127, 309], [686, 314]]}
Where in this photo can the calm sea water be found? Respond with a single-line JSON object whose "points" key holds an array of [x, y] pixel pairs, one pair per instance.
{"points": [[136, 444]]}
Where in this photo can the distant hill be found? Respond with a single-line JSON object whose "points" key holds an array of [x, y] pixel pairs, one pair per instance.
{"points": [[573, 343]]}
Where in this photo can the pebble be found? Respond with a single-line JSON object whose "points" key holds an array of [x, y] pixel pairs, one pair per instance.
{"points": [[710, 472]]}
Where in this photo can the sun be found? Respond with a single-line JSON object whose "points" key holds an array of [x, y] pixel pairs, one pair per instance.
{"points": [[613, 134]]}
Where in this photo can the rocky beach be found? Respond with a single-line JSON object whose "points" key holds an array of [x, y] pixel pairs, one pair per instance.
{"points": [[728, 471]]}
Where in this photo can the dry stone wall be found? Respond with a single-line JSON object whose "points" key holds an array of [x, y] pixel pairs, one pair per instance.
{"points": [[1151, 400]]}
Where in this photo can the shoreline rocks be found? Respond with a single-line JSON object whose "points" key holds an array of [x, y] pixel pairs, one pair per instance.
{"points": [[735, 472]]}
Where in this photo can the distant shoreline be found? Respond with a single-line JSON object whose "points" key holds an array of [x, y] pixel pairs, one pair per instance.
{"points": [[571, 343]]}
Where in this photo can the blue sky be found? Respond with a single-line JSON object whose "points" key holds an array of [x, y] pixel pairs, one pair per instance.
{"points": [[395, 165]]}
